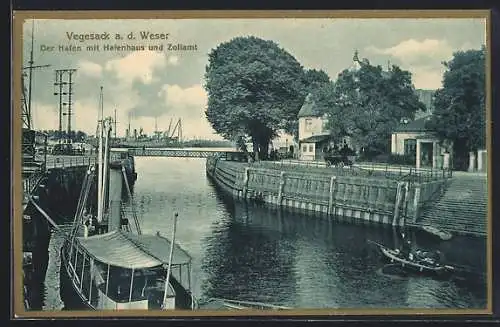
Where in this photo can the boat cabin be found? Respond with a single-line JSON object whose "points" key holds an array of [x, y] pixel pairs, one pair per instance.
{"points": [[121, 270], [123, 156]]}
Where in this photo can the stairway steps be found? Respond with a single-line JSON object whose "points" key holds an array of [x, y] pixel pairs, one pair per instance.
{"points": [[462, 208]]}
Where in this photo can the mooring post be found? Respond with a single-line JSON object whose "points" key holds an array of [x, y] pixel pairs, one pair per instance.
{"points": [[416, 203], [406, 200], [333, 180], [397, 204], [281, 187]]}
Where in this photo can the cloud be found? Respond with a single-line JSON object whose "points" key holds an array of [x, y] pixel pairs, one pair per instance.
{"points": [[137, 65], [84, 118], [167, 85], [413, 51], [45, 116], [423, 59], [90, 68], [427, 78], [184, 98]]}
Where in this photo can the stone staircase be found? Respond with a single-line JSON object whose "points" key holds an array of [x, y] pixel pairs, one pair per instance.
{"points": [[462, 208]]}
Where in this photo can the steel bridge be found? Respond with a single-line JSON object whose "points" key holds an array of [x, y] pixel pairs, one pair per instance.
{"points": [[182, 153]]}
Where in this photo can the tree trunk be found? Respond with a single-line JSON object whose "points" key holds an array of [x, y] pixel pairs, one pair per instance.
{"points": [[264, 149], [255, 148], [460, 155]]}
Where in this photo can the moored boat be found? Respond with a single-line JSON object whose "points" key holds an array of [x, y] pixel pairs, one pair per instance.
{"points": [[106, 266], [120, 270]]}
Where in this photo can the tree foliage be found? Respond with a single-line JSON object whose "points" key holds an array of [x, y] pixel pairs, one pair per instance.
{"points": [[368, 104], [460, 113], [255, 89]]}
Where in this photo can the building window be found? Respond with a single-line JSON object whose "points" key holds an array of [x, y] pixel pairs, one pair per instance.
{"points": [[311, 148], [309, 124], [410, 147], [304, 148]]}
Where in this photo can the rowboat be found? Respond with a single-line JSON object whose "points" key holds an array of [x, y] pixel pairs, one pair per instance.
{"points": [[416, 261], [228, 304]]}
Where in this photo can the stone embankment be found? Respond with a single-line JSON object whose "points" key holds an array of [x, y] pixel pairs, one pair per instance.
{"points": [[364, 196], [457, 204], [462, 208]]}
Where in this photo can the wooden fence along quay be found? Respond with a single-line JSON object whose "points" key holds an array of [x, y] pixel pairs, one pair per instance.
{"points": [[385, 196]]}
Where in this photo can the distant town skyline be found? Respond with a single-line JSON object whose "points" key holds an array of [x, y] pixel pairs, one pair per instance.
{"points": [[168, 84]]}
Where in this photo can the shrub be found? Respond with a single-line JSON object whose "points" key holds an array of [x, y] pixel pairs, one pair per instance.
{"points": [[394, 159]]}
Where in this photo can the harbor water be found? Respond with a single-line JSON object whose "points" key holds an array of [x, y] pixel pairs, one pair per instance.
{"points": [[255, 253]]}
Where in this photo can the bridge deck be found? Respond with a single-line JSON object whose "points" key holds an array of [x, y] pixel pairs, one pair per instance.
{"points": [[62, 161], [183, 153]]}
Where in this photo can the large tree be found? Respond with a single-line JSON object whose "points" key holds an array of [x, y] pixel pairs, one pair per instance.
{"points": [[255, 88], [460, 113], [368, 104]]}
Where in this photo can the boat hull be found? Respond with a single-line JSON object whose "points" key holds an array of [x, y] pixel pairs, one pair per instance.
{"points": [[417, 267], [69, 293]]}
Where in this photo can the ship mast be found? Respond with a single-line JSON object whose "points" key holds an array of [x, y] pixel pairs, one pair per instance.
{"points": [[100, 200], [27, 119]]}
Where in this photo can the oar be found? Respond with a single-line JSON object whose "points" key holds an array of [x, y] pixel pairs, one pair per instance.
{"points": [[376, 243], [449, 267]]}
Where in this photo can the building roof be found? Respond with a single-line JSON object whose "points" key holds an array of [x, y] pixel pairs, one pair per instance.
{"points": [[417, 125], [316, 138], [309, 108], [128, 250]]}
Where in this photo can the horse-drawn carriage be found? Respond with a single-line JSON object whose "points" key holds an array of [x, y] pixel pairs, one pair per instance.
{"points": [[339, 158]]}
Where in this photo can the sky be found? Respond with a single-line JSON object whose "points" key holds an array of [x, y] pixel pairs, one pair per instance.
{"points": [[157, 86]]}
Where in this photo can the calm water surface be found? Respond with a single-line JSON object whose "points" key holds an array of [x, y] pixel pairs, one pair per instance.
{"points": [[255, 253]]}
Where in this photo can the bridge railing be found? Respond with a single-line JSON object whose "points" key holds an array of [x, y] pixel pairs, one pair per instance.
{"points": [[183, 153], [419, 175], [69, 161]]}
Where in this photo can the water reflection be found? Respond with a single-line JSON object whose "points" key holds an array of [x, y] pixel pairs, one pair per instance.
{"points": [[255, 253]]}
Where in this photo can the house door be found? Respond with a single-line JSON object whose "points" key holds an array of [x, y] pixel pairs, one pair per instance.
{"points": [[426, 154]]}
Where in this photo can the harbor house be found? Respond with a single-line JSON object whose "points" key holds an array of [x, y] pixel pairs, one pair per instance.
{"points": [[314, 137], [412, 138]]}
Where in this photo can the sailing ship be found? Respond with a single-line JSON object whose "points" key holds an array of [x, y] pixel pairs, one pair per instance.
{"points": [[107, 266]]}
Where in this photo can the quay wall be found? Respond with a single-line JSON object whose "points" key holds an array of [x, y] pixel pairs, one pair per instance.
{"points": [[57, 194], [363, 199]]}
